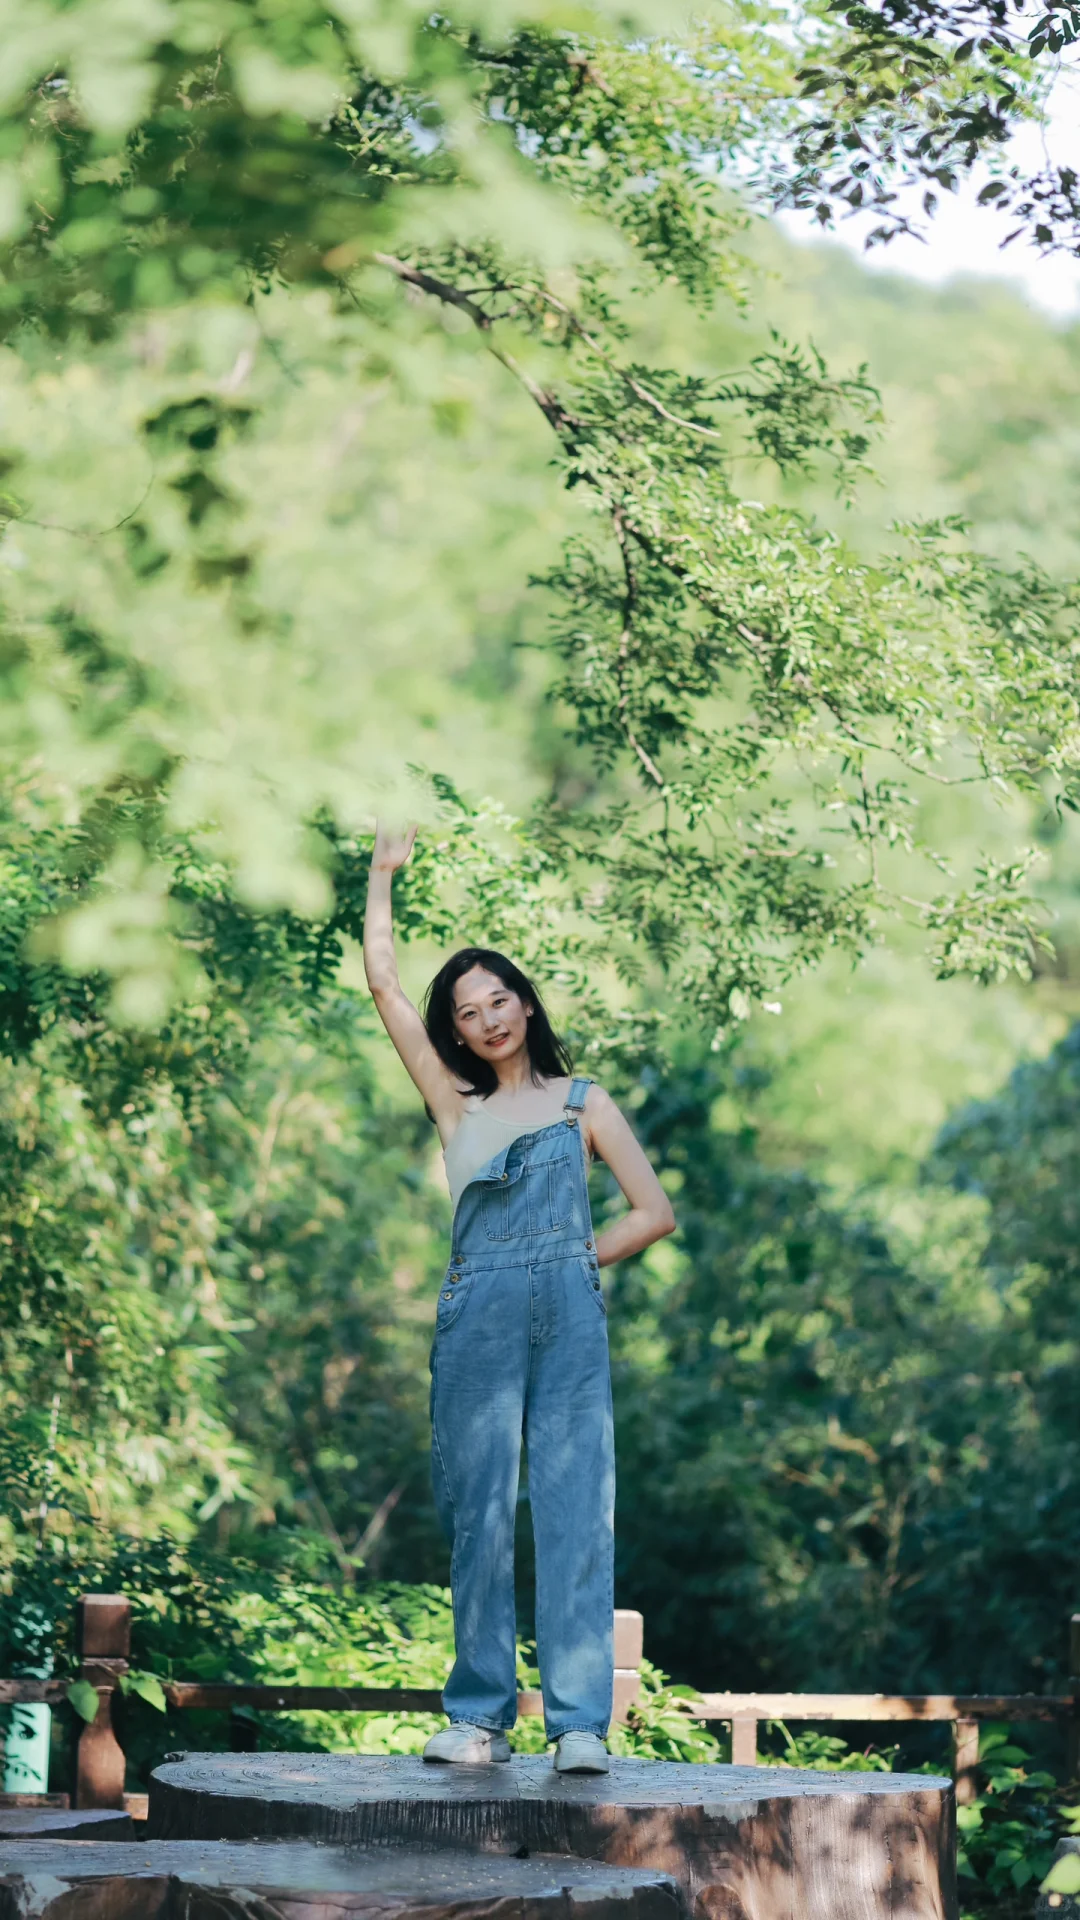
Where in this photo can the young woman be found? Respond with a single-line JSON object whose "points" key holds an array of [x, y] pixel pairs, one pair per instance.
{"points": [[520, 1339]]}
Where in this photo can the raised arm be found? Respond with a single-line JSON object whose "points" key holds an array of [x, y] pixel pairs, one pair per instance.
{"points": [[396, 1011], [650, 1217]]}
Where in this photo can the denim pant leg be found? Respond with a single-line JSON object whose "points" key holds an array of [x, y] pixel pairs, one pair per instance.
{"points": [[570, 1443], [480, 1366]]}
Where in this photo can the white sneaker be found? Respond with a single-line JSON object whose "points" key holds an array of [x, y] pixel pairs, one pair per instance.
{"points": [[464, 1745], [581, 1753]]}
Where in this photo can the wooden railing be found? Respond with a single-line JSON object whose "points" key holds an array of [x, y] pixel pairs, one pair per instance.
{"points": [[963, 1712], [103, 1641], [104, 1638]]}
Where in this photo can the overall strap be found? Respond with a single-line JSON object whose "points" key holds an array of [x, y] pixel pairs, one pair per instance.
{"points": [[575, 1101]]}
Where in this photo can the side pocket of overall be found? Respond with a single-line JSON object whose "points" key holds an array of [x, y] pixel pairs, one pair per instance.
{"points": [[592, 1283], [452, 1298]]}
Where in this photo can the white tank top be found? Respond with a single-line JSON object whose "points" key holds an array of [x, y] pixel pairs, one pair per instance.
{"points": [[481, 1134]]}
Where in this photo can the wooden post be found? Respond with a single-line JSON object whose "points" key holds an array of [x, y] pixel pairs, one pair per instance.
{"points": [[1073, 1727], [965, 1760], [103, 1638], [744, 1741], [629, 1645]]}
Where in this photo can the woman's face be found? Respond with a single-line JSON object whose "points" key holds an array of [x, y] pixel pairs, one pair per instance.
{"points": [[489, 1016]]}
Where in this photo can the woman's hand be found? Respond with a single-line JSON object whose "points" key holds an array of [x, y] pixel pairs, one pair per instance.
{"points": [[391, 849]]}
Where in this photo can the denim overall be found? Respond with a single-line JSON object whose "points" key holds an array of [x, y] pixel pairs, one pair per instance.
{"points": [[521, 1349]]}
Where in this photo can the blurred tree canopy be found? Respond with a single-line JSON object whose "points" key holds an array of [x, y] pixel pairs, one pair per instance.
{"points": [[272, 345], [828, 1416]]}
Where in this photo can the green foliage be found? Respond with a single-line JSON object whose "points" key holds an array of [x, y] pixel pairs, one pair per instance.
{"points": [[660, 1724], [83, 1697], [325, 333], [203, 1616], [824, 1752], [763, 712], [812, 1404], [145, 1686], [812, 1401], [1008, 1834], [138, 1206], [896, 98], [1019, 1152]]}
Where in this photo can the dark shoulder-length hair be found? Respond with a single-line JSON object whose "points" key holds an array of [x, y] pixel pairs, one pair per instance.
{"points": [[549, 1057]]}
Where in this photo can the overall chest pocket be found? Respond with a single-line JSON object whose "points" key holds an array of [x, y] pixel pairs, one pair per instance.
{"points": [[551, 1195], [529, 1200]]}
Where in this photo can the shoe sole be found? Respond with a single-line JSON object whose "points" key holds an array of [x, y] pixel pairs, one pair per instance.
{"points": [[441, 1760]]}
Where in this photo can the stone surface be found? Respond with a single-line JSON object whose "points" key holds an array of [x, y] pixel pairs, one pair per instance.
{"points": [[94, 1823], [744, 1843], [293, 1880], [1060, 1906]]}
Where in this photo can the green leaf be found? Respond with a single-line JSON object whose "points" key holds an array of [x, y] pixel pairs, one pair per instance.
{"points": [[84, 1698], [147, 1686]]}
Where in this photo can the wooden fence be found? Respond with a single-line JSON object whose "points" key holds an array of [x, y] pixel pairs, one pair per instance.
{"points": [[103, 1629]]}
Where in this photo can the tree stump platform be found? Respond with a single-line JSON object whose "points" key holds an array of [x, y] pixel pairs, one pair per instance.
{"points": [[293, 1880], [742, 1843]]}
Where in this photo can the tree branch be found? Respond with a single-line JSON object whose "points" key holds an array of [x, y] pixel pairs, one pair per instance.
{"points": [[552, 409], [629, 604], [566, 426], [635, 387]]}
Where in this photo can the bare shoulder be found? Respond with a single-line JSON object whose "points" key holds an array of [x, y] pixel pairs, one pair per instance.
{"points": [[598, 1101]]}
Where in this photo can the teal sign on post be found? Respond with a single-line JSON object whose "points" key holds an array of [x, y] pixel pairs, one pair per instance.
{"points": [[26, 1748], [26, 1739]]}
